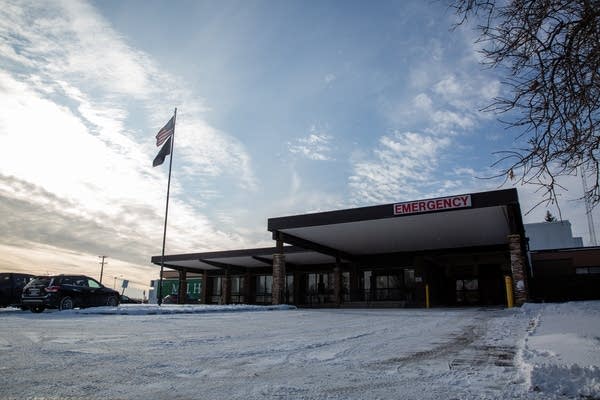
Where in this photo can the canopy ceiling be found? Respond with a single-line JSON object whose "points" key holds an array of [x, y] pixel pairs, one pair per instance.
{"points": [[462, 221]]}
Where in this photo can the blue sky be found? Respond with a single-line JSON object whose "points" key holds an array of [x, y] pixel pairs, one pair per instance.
{"points": [[284, 107]]}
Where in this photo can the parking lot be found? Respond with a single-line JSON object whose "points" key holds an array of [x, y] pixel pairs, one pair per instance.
{"points": [[138, 353]]}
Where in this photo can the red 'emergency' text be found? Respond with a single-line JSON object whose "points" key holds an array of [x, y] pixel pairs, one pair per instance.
{"points": [[443, 203]]}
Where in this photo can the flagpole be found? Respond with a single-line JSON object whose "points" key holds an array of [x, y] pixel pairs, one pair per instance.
{"points": [[162, 258]]}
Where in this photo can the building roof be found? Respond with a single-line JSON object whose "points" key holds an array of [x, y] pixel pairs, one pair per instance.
{"points": [[462, 221], [241, 259], [486, 219]]}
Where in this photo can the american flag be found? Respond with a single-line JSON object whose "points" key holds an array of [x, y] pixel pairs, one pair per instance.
{"points": [[165, 132]]}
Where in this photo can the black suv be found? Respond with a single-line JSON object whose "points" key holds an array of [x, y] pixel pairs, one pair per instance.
{"points": [[11, 286], [66, 292]]}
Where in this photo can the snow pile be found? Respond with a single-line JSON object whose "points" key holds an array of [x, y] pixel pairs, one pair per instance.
{"points": [[560, 353]]}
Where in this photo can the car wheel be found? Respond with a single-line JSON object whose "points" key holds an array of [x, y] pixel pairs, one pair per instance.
{"points": [[66, 303], [37, 309], [112, 301]]}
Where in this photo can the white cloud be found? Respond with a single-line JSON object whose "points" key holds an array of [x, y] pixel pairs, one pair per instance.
{"points": [[401, 167], [465, 171], [448, 87], [82, 155], [423, 102], [450, 121], [315, 146], [72, 48]]}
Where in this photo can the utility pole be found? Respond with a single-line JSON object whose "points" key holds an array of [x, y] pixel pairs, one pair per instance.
{"points": [[102, 262]]}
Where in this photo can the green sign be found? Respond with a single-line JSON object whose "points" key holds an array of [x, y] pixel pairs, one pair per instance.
{"points": [[194, 287]]}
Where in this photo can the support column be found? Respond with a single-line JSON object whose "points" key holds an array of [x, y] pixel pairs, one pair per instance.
{"points": [[204, 288], [517, 265], [225, 289], [278, 288], [182, 293], [278, 285]]}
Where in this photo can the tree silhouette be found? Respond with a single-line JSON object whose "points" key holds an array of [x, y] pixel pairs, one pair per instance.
{"points": [[549, 217], [549, 54]]}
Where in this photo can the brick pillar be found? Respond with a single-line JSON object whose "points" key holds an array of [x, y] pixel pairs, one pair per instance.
{"points": [[182, 293], [517, 265], [337, 285], [278, 288], [225, 289], [204, 288]]}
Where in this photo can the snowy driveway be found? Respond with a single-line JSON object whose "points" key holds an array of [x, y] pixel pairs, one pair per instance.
{"points": [[303, 354]]}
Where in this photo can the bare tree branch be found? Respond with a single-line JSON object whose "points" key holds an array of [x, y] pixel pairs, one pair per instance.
{"points": [[551, 52]]}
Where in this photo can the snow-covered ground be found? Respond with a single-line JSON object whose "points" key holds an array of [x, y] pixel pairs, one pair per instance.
{"points": [[549, 351]]}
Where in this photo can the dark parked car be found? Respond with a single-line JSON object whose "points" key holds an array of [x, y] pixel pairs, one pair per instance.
{"points": [[66, 292], [11, 286], [129, 300]]}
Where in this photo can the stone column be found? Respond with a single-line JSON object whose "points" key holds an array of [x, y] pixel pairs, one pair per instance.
{"points": [[204, 288], [182, 293], [225, 289], [517, 265], [337, 284], [278, 288]]}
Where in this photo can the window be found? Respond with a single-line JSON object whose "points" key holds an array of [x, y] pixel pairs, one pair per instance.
{"points": [[365, 284], [346, 286], [312, 283], [237, 287], [388, 287], [40, 281], [78, 282], [215, 293], [388, 281], [467, 291], [264, 288], [409, 277], [289, 287], [237, 283], [21, 280], [587, 270], [264, 284], [320, 282], [319, 288], [93, 284], [216, 286]]}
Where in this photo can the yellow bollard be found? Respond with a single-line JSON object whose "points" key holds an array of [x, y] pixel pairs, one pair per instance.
{"points": [[509, 291], [427, 295]]}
